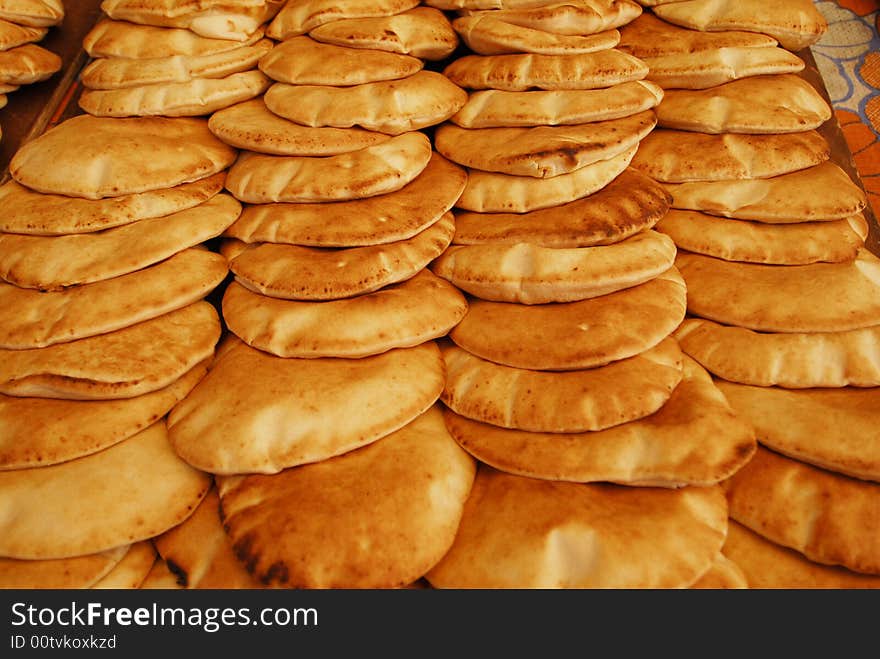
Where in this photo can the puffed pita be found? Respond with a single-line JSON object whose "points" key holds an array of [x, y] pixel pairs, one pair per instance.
{"points": [[525, 71], [834, 429], [306, 273], [41, 431], [304, 61], [490, 192], [572, 17], [679, 156], [490, 108], [25, 65], [420, 309], [141, 487], [258, 413], [827, 517], [35, 319], [771, 244], [36, 213], [784, 103], [97, 157], [574, 335], [199, 96], [791, 360], [377, 517], [768, 565], [13, 35], [130, 572], [524, 273], [631, 203], [122, 364], [55, 262], [199, 552], [33, 13], [121, 73], [695, 439], [822, 192], [796, 24], [394, 106], [160, 577], [305, 15], [486, 35], [251, 126], [542, 151], [382, 219], [724, 574], [819, 297], [526, 533], [570, 401], [422, 32], [110, 38], [59, 573], [258, 178]]}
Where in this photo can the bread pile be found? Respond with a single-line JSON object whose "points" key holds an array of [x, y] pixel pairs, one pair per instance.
{"points": [[783, 297]]}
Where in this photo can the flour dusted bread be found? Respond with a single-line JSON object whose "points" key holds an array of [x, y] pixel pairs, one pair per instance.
{"points": [[300, 17], [485, 34], [62, 573]]}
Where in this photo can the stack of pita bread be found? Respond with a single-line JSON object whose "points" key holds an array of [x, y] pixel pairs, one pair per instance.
{"points": [[164, 58], [783, 297], [103, 329]]}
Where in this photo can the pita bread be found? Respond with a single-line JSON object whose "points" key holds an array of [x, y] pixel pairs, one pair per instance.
{"points": [[755, 242], [784, 103], [36, 319], [395, 106], [59, 573], [490, 192], [768, 565], [33, 13], [575, 335], [792, 360], [827, 517], [122, 364], [830, 428], [796, 24], [140, 486], [35, 213], [95, 157], [13, 35], [200, 553], [724, 574], [542, 151], [122, 73], [6, 88], [54, 262], [631, 203], [572, 401], [677, 156], [109, 38], [521, 72], [41, 431], [820, 297], [574, 17], [130, 572], [382, 219], [422, 32], [377, 169], [528, 274], [25, 65], [486, 35], [306, 273], [489, 108], [822, 192], [160, 577], [378, 517], [198, 96], [422, 308], [525, 533], [694, 439], [303, 16], [255, 412], [304, 61]]}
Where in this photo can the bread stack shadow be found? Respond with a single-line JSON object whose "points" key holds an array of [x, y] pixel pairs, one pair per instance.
{"points": [[783, 297]]}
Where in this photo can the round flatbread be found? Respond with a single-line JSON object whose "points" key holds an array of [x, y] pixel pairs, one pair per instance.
{"points": [[487, 35], [130, 572], [527, 274], [59, 573], [160, 577], [614, 537], [25, 65], [140, 486], [572, 17], [255, 412], [33, 13], [95, 157], [301, 17], [724, 574], [572, 401], [13, 35]]}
